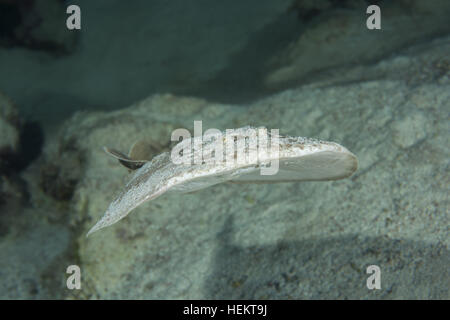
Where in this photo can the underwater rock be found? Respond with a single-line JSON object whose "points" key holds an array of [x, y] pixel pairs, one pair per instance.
{"points": [[20, 144], [59, 181], [27, 261], [9, 132], [335, 35], [290, 240], [37, 25], [20, 141], [13, 196], [412, 129]]}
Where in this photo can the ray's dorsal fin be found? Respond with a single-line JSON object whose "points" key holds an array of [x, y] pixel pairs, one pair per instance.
{"points": [[116, 154], [143, 150], [124, 159]]}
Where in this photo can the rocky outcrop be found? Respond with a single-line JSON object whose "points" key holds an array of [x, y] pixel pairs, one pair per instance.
{"points": [[9, 132], [291, 240], [335, 36]]}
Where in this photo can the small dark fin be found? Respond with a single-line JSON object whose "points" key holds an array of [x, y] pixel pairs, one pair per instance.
{"points": [[133, 165], [124, 159], [116, 154]]}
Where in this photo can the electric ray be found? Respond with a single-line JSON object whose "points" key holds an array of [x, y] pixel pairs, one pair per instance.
{"points": [[295, 158]]}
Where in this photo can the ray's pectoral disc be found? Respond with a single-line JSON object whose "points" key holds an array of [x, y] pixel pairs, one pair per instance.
{"points": [[299, 159]]}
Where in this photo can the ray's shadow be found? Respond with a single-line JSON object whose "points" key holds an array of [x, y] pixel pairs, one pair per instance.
{"points": [[333, 268]]}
